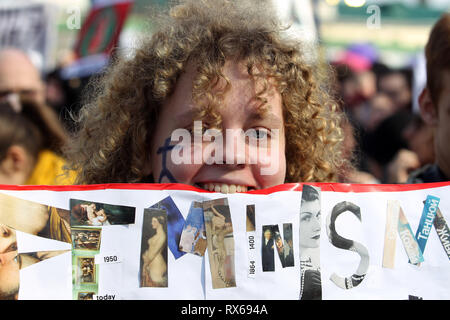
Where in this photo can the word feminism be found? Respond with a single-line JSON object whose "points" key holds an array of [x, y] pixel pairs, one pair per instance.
{"points": [[396, 223]]}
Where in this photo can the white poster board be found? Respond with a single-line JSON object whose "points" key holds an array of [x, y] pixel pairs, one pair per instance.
{"points": [[118, 263]]}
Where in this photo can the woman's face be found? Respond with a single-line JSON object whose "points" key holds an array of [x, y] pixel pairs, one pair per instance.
{"points": [[310, 224], [9, 268], [9, 273], [234, 165], [155, 223], [7, 239], [279, 242]]}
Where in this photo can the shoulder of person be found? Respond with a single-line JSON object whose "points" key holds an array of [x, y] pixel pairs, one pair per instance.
{"points": [[49, 170], [426, 174]]}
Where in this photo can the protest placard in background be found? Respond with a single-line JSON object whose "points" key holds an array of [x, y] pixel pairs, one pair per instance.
{"points": [[98, 37], [29, 26], [376, 242]]}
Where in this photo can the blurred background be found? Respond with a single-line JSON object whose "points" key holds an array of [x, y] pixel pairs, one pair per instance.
{"points": [[375, 48]]}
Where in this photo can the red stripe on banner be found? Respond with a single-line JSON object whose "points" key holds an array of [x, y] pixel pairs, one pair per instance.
{"points": [[346, 187], [335, 187]]}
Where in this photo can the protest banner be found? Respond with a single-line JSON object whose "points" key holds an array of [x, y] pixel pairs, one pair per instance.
{"points": [[326, 241], [28, 27], [98, 37]]}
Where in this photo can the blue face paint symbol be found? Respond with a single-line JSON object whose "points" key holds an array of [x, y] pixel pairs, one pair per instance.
{"points": [[165, 172]]}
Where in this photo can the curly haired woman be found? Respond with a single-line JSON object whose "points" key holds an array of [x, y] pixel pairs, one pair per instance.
{"points": [[228, 65]]}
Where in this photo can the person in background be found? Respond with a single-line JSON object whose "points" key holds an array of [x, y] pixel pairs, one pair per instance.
{"points": [[22, 92], [20, 143], [352, 170], [420, 138], [420, 152], [396, 84], [382, 145], [434, 102], [379, 107]]}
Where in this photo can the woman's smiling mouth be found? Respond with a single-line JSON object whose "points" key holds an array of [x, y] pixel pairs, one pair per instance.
{"points": [[224, 187]]}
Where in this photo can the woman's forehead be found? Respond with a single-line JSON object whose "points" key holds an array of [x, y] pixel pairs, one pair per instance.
{"points": [[235, 88], [310, 207]]}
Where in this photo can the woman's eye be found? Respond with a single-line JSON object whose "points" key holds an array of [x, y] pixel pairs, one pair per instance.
{"points": [[197, 130], [259, 133], [306, 218]]}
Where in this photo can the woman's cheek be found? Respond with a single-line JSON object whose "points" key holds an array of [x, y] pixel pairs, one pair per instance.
{"points": [[184, 163], [183, 173], [171, 161], [271, 171], [272, 161], [303, 234]]}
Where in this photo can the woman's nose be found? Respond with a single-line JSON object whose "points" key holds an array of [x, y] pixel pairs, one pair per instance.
{"points": [[227, 147], [7, 257], [316, 224], [235, 147]]}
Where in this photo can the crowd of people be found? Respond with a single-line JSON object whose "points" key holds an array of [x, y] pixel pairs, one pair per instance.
{"points": [[395, 143], [363, 129], [384, 136]]}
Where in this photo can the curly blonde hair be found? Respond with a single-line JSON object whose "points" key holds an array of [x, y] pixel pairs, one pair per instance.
{"points": [[113, 142]]}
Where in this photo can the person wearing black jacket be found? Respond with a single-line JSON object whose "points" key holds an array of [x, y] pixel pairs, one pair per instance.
{"points": [[434, 102]]}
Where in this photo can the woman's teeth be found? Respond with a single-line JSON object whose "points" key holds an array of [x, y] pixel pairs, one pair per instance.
{"points": [[223, 188]]}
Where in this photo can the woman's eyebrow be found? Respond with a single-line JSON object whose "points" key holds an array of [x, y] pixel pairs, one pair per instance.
{"points": [[269, 118], [189, 114], [187, 117]]}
